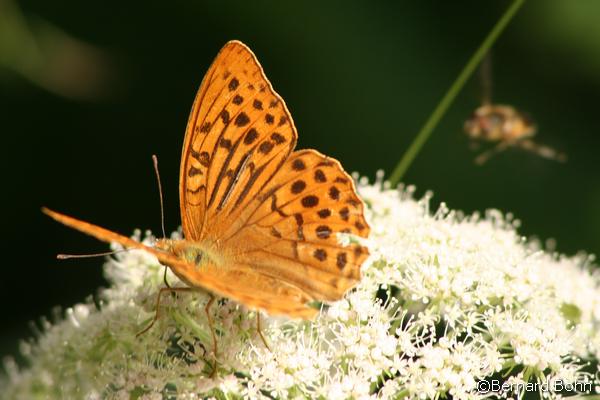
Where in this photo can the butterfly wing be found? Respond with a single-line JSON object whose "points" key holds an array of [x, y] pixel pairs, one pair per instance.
{"points": [[253, 290], [289, 231], [101, 233], [238, 135], [243, 193], [240, 189]]}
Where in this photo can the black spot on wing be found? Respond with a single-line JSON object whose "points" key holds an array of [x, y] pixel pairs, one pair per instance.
{"points": [[341, 260], [334, 193], [320, 176], [266, 147], [298, 186], [225, 116], [277, 137], [324, 213], [194, 171], [225, 143], [242, 119], [323, 231], [251, 136], [310, 201], [205, 127], [298, 165], [233, 84], [320, 254], [237, 100]]}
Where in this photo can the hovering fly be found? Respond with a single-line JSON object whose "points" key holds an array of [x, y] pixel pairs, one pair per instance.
{"points": [[503, 125]]}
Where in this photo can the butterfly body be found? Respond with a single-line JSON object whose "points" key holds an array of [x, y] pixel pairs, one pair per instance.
{"points": [[261, 221]]}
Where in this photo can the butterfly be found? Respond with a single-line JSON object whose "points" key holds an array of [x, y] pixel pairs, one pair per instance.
{"points": [[260, 220]]}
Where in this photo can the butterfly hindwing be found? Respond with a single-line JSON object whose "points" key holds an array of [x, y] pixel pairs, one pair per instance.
{"points": [[256, 291], [291, 229]]}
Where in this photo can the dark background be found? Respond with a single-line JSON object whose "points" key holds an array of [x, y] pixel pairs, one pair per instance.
{"points": [[360, 78]]}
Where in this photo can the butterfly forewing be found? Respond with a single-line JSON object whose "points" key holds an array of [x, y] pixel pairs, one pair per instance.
{"points": [[251, 289], [238, 135]]}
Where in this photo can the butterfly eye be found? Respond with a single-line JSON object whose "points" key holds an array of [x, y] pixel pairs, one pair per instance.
{"points": [[193, 255]]}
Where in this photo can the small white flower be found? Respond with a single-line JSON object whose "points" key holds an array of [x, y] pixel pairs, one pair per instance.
{"points": [[445, 302]]}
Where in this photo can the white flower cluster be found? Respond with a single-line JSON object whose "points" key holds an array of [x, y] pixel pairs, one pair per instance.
{"points": [[448, 306]]}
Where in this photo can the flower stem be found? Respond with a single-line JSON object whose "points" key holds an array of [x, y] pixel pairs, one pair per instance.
{"points": [[410, 154], [184, 318]]}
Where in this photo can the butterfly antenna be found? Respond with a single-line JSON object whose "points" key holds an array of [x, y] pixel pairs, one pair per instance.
{"points": [[162, 207], [107, 253]]}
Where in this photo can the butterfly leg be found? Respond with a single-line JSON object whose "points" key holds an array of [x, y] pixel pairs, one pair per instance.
{"points": [[165, 278], [212, 331], [259, 330], [156, 315]]}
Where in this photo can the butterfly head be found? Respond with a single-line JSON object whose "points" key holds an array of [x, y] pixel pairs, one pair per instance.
{"points": [[191, 252], [199, 254]]}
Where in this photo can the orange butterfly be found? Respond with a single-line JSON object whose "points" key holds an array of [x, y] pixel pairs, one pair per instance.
{"points": [[260, 220]]}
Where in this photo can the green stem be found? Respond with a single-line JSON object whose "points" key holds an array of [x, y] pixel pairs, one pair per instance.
{"points": [[408, 157], [185, 319]]}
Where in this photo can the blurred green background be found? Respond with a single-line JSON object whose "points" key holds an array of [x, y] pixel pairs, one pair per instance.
{"points": [[90, 90]]}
